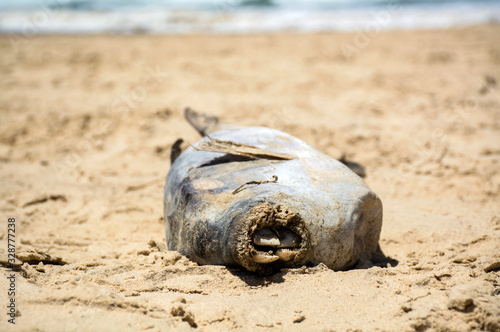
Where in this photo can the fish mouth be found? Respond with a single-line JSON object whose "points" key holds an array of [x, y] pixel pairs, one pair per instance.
{"points": [[269, 238]]}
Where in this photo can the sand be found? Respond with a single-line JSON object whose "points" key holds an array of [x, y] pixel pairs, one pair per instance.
{"points": [[86, 126]]}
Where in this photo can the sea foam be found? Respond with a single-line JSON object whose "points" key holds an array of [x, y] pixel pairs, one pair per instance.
{"points": [[230, 16]]}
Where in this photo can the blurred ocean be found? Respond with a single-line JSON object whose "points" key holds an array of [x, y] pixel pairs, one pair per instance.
{"points": [[238, 16]]}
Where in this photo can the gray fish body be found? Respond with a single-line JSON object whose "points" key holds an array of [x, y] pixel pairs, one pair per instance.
{"points": [[215, 202]]}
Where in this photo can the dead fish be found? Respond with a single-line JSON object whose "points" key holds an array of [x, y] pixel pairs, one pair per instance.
{"points": [[262, 199]]}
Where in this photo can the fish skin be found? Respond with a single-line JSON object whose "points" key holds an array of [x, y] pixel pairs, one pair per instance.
{"points": [[340, 217]]}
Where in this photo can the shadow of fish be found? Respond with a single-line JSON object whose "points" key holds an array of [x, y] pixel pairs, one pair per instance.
{"points": [[263, 199]]}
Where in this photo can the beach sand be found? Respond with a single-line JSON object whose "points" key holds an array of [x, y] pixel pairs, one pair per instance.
{"points": [[86, 126]]}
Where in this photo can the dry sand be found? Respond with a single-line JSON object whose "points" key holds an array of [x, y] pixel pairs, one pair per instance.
{"points": [[85, 131]]}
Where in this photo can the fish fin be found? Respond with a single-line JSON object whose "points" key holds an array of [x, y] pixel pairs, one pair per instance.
{"points": [[204, 124], [240, 149], [177, 148], [353, 166]]}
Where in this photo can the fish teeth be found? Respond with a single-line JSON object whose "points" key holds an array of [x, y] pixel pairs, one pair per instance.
{"points": [[288, 239], [266, 237], [285, 254], [284, 243], [264, 258]]}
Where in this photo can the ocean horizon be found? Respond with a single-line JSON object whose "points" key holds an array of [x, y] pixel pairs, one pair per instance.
{"points": [[238, 16]]}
